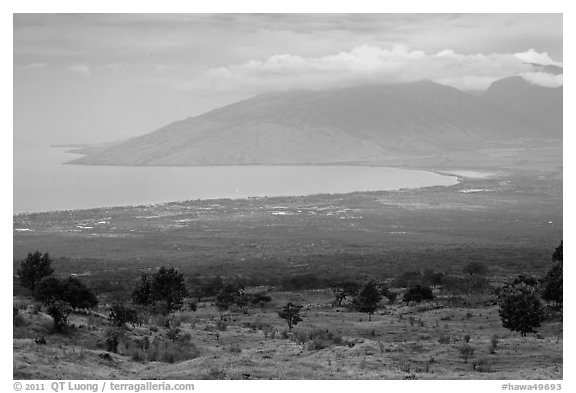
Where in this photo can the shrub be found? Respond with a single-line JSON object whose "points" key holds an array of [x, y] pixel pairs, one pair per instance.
{"points": [[121, 315], [112, 339], [466, 352], [59, 311], [493, 344], [230, 294], [18, 319], [317, 339], [475, 268], [235, 348], [221, 324], [34, 268], [391, 296], [444, 339], [418, 293], [482, 365], [259, 299], [216, 373], [323, 338]]}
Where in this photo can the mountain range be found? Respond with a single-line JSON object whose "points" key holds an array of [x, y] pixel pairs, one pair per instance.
{"points": [[363, 124]]}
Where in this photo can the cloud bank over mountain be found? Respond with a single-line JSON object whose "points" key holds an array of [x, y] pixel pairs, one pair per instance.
{"points": [[372, 64]]}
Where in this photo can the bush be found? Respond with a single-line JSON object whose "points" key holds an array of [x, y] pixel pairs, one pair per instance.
{"points": [[444, 339], [121, 315], [112, 339], [18, 319], [179, 348], [230, 294], [466, 352], [493, 344], [418, 293], [323, 338], [482, 366], [475, 268], [59, 311], [33, 269]]}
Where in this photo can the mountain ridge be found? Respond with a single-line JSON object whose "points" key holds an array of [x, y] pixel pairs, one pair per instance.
{"points": [[361, 123]]}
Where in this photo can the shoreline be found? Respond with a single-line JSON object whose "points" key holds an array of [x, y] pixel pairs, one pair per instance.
{"points": [[458, 180]]}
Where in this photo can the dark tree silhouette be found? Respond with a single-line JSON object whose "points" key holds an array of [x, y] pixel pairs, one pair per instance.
{"points": [[369, 297], [34, 268], [343, 289], [229, 295], [142, 293], [120, 315], [557, 255], [520, 307], [475, 268], [418, 293], [291, 313], [70, 290], [166, 285], [553, 282]]}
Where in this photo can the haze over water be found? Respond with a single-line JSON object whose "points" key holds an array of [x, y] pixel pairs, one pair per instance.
{"points": [[43, 183]]}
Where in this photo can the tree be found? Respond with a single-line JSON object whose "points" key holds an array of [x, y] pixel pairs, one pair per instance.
{"points": [[369, 297], [475, 268], [229, 295], [33, 269], [70, 290], [343, 289], [553, 282], [418, 293], [168, 285], [291, 313], [520, 307], [142, 293], [557, 255], [165, 285]]}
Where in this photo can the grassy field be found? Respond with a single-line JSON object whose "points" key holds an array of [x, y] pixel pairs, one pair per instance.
{"points": [[401, 342], [511, 221]]}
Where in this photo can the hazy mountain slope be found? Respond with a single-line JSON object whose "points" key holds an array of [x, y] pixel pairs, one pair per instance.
{"points": [[540, 105], [365, 123]]}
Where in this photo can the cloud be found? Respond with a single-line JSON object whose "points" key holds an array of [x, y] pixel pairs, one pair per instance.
{"points": [[531, 56], [368, 64], [543, 79], [80, 69]]}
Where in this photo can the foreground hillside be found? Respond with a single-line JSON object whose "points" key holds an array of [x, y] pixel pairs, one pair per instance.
{"points": [[401, 342]]}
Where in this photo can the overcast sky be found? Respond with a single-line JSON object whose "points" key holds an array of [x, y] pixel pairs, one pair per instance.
{"points": [[104, 77]]}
